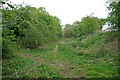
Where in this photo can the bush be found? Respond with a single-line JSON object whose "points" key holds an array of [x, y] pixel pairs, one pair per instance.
{"points": [[32, 27], [68, 32], [88, 25]]}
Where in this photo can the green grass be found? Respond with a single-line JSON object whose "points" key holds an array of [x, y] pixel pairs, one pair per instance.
{"points": [[21, 67], [74, 59], [17, 67]]}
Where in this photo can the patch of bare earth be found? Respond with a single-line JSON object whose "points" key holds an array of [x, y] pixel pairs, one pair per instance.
{"points": [[56, 48]]}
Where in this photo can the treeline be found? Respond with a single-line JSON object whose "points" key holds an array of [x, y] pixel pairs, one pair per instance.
{"points": [[87, 25], [28, 27]]}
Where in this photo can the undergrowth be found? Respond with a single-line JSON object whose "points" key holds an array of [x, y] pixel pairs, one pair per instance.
{"points": [[83, 57]]}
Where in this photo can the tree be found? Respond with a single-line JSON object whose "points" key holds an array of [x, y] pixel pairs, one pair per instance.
{"points": [[114, 18], [114, 8], [89, 24], [28, 27]]}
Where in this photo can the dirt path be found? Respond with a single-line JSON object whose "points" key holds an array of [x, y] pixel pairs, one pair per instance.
{"points": [[56, 47]]}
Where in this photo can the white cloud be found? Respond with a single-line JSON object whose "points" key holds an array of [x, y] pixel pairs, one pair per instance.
{"points": [[70, 10]]}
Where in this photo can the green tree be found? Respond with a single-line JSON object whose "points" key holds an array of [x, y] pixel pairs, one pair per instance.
{"points": [[114, 8], [28, 27], [88, 24]]}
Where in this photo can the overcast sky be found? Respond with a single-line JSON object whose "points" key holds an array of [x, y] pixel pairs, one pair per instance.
{"points": [[69, 11]]}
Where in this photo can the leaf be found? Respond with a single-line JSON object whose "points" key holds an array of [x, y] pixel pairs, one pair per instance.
{"points": [[3, 2], [10, 5]]}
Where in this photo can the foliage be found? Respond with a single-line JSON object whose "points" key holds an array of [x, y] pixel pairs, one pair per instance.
{"points": [[102, 22], [98, 60], [28, 27], [88, 25], [90, 55], [8, 36], [68, 32], [114, 8]]}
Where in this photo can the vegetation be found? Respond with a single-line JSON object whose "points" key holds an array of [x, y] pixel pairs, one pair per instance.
{"points": [[113, 17], [33, 45], [29, 27], [91, 56], [88, 25]]}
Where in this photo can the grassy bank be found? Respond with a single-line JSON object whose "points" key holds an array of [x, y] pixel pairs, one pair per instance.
{"points": [[89, 56]]}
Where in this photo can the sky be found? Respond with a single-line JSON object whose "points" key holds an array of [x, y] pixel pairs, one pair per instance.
{"points": [[69, 11]]}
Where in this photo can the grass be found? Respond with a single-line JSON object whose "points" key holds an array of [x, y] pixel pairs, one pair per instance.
{"points": [[82, 57]]}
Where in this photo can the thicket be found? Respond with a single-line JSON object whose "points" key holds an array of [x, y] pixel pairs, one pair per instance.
{"points": [[28, 27], [87, 25]]}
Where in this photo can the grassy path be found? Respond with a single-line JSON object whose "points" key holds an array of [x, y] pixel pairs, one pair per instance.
{"points": [[57, 60], [66, 59]]}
